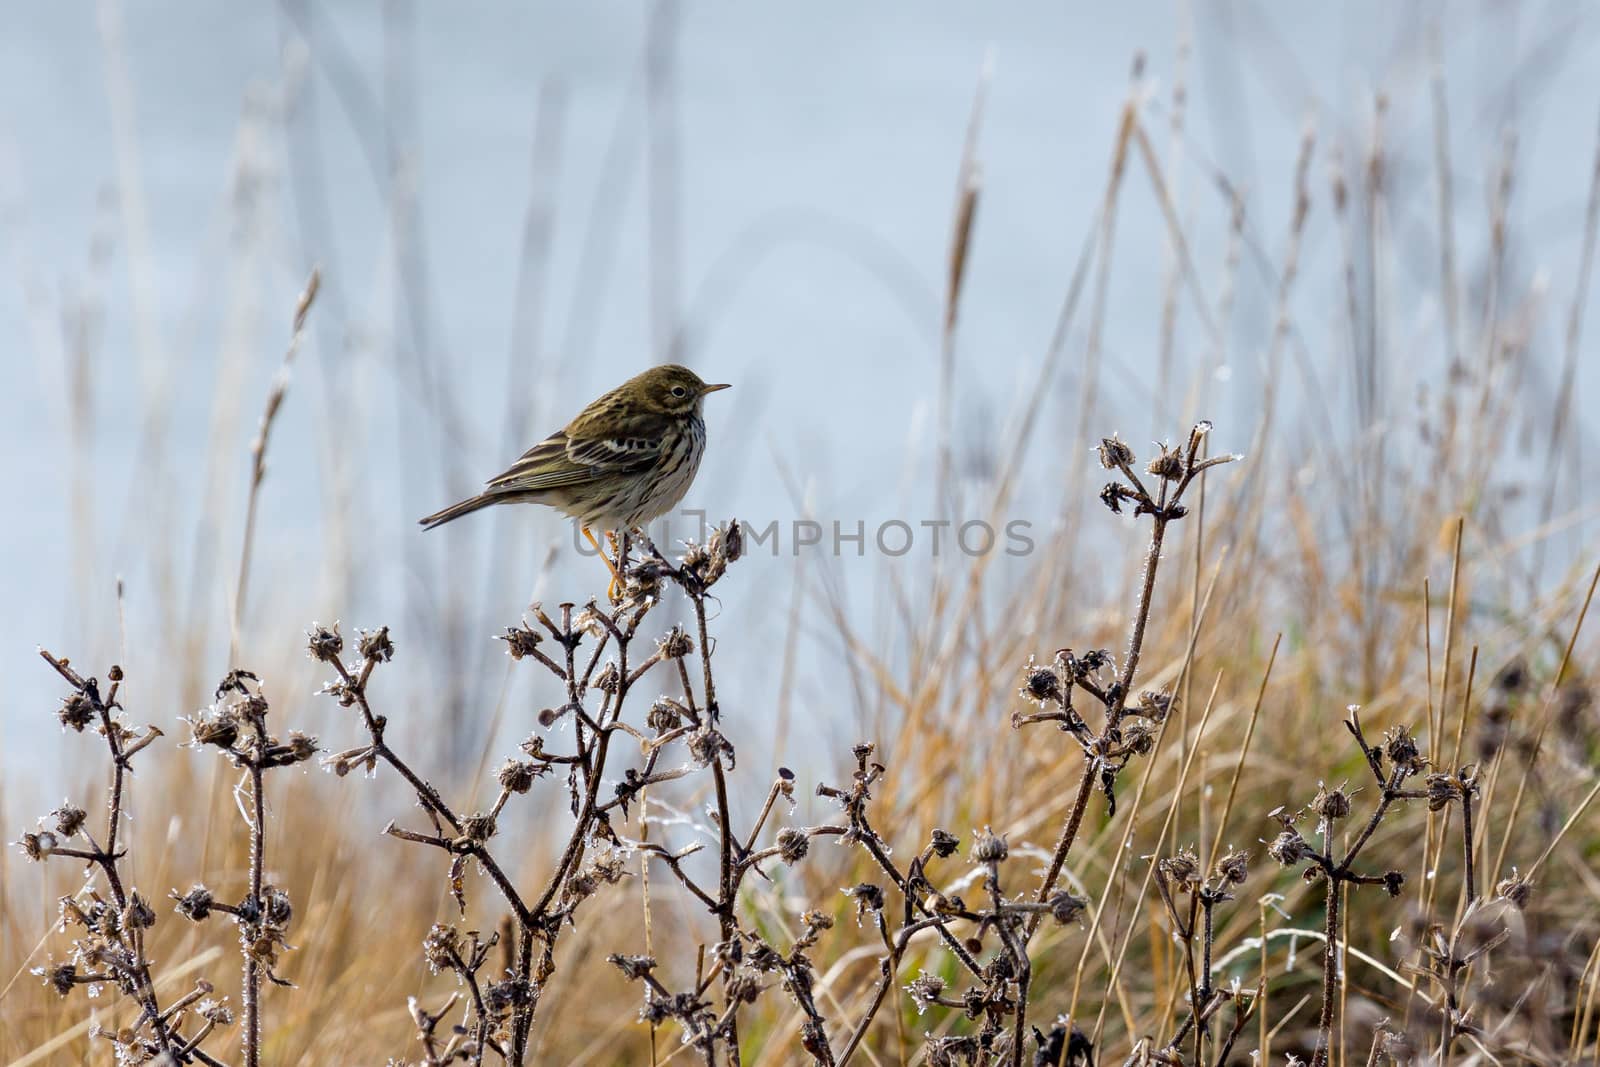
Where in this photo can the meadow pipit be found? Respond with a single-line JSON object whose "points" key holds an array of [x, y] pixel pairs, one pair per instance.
{"points": [[626, 459]]}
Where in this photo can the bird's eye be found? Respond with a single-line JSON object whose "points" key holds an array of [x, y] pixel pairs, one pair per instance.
{"points": [[679, 391]]}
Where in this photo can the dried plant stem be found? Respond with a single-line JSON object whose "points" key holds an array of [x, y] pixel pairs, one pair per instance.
{"points": [[258, 453], [1141, 619], [251, 994], [106, 858], [1166, 828], [1244, 752]]}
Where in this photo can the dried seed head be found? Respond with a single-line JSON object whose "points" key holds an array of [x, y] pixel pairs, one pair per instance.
{"points": [[1155, 706], [695, 556], [216, 1012], [989, 847], [517, 776], [76, 711], [478, 827], [664, 715], [194, 905], [1114, 494], [1138, 737], [609, 680], [1289, 848], [868, 897], [1233, 868], [1114, 453], [925, 990], [1515, 889], [1182, 869], [675, 644], [792, 845], [1331, 805], [300, 747], [323, 643], [813, 919], [72, 913], [376, 644], [279, 910], [1040, 684], [1090, 663], [633, 967], [730, 953], [442, 948], [1443, 790], [707, 745], [1401, 748], [138, 915], [743, 987], [1066, 908], [213, 726], [39, 846], [730, 539], [235, 682], [581, 886], [520, 641], [1168, 465], [944, 843], [501, 998], [69, 820], [60, 977]]}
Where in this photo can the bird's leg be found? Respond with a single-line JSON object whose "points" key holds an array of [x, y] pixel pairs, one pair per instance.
{"points": [[616, 579], [619, 553]]}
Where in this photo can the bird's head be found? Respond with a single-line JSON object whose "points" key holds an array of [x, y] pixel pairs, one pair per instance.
{"points": [[670, 389]]}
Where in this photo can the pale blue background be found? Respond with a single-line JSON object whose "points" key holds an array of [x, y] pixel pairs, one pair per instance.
{"points": [[816, 157]]}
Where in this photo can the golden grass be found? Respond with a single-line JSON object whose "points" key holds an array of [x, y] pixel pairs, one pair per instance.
{"points": [[1406, 582]]}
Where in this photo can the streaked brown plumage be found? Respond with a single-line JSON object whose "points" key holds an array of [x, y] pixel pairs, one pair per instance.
{"points": [[627, 458]]}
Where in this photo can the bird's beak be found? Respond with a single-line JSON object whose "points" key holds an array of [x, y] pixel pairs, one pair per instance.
{"points": [[714, 388]]}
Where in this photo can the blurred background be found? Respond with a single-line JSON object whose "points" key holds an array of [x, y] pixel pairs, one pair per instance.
{"points": [[1356, 237], [514, 209]]}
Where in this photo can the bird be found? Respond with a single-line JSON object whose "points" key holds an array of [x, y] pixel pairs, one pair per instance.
{"points": [[627, 458]]}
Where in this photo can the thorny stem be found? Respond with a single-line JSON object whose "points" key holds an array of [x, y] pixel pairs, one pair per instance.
{"points": [[1338, 874], [143, 984], [1203, 995], [429, 796], [874, 847], [541, 923], [727, 880], [1164, 509], [1330, 972], [887, 968], [426, 794], [252, 968], [1141, 616]]}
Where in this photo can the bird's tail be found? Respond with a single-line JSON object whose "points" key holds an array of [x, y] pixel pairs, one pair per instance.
{"points": [[455, 511]]}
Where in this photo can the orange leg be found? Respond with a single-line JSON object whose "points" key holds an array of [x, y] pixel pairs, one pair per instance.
{"points": [[615, 587]]}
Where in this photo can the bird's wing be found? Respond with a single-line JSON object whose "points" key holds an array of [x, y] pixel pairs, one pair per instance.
{"points": [[613, 454], [562, 460]]}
